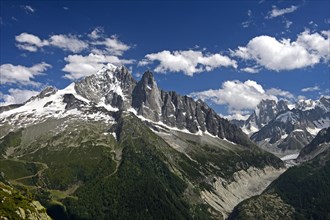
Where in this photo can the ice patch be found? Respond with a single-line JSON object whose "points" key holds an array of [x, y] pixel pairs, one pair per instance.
{"points": [[291, 106], [290, 157], [114, 135], [284, 136], [313, 131], [253, 128], [257, 111], [107, 106], [229, 141]]}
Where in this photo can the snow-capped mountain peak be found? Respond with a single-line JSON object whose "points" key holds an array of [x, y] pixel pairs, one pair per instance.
{"points": [[52, 103], [107, 68], [113, 89], [279, 127], [305, 105]]}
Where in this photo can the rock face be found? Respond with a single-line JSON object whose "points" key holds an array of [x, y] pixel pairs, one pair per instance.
{"points": [[111, 86], [72, 102], [147, 98], [46, 92]]}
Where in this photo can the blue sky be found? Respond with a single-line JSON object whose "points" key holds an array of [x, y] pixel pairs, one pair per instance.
{"points": [[231, 54]]}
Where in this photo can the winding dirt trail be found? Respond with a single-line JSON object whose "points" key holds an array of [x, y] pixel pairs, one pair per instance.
{"points": [[38, 173]]}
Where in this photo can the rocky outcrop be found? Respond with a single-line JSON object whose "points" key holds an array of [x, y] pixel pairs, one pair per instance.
{"points": [[72, 102], [318, 145], [48, 91], [16, 206]]}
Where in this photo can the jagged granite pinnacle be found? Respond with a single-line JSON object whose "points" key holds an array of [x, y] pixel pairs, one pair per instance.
{"points": [[147, 97], [118, 88]]}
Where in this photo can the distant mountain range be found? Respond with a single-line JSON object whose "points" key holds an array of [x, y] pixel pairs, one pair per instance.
{"points": [[281, 128]]}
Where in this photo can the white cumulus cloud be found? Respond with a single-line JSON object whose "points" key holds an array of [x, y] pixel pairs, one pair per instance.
{"points": [[18, 74], [189, 62], [239, 95], [308, 50], [250, 70], [16, 96], [112, 45], [68, 42], [32, 43], [79, 66], [98, 43], [316, 43], [275, 12]]}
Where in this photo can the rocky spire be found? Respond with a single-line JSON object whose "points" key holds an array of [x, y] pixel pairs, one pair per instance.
{"points": [[147, 97]]}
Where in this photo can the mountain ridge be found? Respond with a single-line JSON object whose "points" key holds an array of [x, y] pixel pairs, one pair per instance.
{"points": [[71, 144], [116, 90]]}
